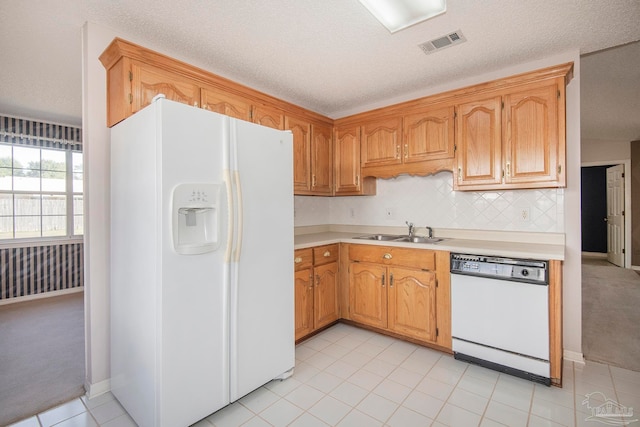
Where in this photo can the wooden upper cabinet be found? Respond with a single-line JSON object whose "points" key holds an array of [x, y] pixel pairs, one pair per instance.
{"points": [[429, 135], [225, 103], [479, 136], [321, 159], [266, 115], [312, 157], [381, 142], [301, 131], [347, 159], [532, 148], [147, 82]]}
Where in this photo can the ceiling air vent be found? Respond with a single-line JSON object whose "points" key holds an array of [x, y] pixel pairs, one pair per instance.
{"points": [[443, 42]]}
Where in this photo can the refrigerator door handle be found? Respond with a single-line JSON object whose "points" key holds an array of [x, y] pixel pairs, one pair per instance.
{"points": [[238, 248], [227, 183]]}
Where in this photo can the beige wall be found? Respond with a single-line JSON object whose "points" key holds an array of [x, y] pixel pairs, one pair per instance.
{"points": [[596, 150]]}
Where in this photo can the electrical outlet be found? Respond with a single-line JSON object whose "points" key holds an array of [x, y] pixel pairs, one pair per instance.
{"points": [[389, 213], [525, 214]]}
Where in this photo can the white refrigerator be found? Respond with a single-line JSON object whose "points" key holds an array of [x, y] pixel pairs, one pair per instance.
{"points": [[202, 309]]}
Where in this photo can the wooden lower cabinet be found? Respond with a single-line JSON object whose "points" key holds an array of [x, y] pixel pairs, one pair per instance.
{"points": [[396, 290], [316, 289], [401, 300], [325, 295], [368, 294], [412, 303], [304, 302]]}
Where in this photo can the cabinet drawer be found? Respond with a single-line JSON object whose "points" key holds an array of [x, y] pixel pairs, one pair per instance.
{"points": [[387, 255], [303, 258], [325, 254]]}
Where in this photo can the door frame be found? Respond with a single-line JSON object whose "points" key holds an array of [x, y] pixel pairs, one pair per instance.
{"points": [[627, 202]]}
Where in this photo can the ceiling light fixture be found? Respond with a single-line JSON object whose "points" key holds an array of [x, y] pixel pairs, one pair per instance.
{"points": [[400, 14]]}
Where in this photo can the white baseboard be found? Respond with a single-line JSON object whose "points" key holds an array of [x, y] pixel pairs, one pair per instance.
{"points": [[42, 295], [94, 390], [573, 356]]}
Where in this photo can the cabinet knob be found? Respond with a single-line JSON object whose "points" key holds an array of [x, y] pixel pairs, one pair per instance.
{"points": [[387, 256], [326, 254], [297, 260]]}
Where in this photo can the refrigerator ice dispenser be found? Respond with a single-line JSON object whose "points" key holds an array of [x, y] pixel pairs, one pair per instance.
{"points": [[195, 217]]}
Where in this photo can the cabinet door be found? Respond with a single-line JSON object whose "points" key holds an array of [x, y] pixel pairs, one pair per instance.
{"points": [[380, 143], [148, 81], [321, 159], [531, 137], [325, 295], [412, 303], [225, 103], [429, 135], [368, 294], [347, 158], [301, 131], [303, 303], [268, 116], [478, 136]]}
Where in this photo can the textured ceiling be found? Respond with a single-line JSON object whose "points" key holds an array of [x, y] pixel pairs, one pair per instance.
{"points": [[330, 56]]}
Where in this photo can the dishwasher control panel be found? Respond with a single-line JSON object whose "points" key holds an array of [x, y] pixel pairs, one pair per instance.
{"points": [[522, 270]]}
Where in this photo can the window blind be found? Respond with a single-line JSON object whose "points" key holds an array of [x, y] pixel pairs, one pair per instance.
{"points": [[15, 130]]}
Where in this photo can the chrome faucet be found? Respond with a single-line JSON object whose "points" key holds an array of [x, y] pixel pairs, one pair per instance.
{"points": [[430, 230], [410, 225]]}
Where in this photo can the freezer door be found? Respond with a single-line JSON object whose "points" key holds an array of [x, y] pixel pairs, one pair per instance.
{"points": [[262, 306], [194, 290]]}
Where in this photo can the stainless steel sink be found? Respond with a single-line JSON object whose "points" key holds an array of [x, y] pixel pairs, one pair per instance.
{"points": [[400, 238], [382, 237], [418, 239]]}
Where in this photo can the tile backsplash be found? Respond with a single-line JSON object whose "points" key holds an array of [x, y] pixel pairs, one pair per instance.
{"points": [[431, 201]]}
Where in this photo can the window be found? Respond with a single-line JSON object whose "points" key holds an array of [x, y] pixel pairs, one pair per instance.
{"points": [[41, 192]]}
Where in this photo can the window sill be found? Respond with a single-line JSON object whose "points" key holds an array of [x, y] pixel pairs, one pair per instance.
{"points": [[41, 241]]}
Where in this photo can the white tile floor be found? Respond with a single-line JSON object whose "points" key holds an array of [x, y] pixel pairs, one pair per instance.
{"points": [[346, 376]]}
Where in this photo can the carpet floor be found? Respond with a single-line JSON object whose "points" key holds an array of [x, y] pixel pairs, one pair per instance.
{"points": [[41, 355], [610, 314]]}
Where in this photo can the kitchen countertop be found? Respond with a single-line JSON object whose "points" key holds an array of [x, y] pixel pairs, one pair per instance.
{"points": [[542, 251]]}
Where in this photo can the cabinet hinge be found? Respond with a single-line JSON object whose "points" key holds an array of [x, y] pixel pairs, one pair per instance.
{"points": [[622, 174], [437, 332], [623, 250], [455, 114], [622, 213], [558, 94], [502, 104], [130, 76], [455, 148], [130, 98], [559, 169]]}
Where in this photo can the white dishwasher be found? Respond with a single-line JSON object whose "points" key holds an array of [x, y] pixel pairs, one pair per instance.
{"points": [[500, 314]]}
